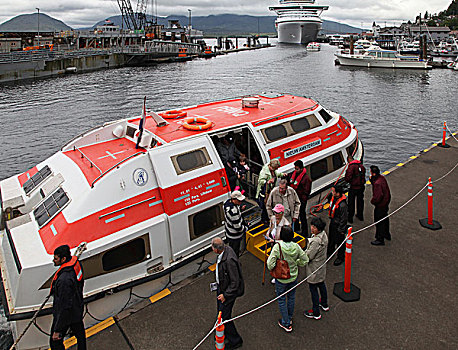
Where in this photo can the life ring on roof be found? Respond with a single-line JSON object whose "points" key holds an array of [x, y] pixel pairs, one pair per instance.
{"points": [[173, 114], [194, 123]]}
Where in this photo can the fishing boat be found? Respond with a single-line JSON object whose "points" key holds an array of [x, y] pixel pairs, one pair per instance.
{"points": [[146, 195], [375, 57], [298, 21], [313, 46]]}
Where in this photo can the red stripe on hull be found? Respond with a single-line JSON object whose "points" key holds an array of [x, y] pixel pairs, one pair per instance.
{"points": [[28, 174], [92, 227]]}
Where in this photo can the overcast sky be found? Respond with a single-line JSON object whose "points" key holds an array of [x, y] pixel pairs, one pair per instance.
{"points": [[83, 13]]}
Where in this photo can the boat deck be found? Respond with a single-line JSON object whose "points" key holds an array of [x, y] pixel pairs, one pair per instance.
{"points": [[407, 287]]}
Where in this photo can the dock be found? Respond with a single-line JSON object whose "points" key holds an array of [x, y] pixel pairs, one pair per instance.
{"points": [[408, 287]]}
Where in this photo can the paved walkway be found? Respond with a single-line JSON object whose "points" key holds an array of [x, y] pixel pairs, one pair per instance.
{"points": [[408, 287]]}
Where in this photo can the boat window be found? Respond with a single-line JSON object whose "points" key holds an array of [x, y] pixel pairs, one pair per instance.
{"points": [[300, 125], [372, 54], [36, 179], [191, 160], [128, 254], [206, 221], [318, 169], [325, 115], [337, 161], [50, 207], [130, 131], [351, 149], [276, 132]]}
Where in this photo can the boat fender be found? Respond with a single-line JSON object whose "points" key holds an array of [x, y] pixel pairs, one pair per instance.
{"points": [[173, 114], [194, 123]]}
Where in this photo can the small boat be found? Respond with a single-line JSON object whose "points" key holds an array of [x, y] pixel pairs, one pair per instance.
{"points": [[146, 195], [313, 46], [409, 48], [375, 57], [453, 65]]}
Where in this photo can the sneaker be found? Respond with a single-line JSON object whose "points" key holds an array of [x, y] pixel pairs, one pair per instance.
{"points": [[310, 314], [338, 262], [377, 242], [388, 237], [287, 329], [324, 307], [272, 281]]}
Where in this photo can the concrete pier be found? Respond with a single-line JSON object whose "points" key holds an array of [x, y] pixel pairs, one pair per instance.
{"points": [[408, 287]]}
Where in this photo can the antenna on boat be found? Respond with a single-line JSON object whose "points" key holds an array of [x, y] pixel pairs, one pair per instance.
{"points": [[81, 248]]}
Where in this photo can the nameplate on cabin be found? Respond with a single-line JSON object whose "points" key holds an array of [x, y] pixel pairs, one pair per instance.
{"points": [[303, 148]]}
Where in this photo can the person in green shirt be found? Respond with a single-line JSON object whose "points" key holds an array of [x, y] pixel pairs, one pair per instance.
{"points": [[295, 256], [266, 182]]}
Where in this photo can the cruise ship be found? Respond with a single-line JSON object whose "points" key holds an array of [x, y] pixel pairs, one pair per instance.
{"points": [[298, 21]]}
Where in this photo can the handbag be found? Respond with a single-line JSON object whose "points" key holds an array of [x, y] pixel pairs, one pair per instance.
{"points": [[281, 269]]}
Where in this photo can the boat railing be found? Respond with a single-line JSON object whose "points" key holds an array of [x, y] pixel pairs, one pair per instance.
{"points": [[286, 114], [114, 166], [86, 157]]}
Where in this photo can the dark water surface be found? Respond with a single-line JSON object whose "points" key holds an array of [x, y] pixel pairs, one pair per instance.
{"points": [[397, 112]]}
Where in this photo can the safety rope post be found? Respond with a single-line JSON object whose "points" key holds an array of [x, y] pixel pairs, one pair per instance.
{"points": [[219, 336], [346, 290], [429, 222], [444, 134]]}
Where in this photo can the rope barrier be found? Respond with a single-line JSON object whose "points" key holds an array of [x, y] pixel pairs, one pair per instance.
{"points": [[451, 133], [327, 260]]}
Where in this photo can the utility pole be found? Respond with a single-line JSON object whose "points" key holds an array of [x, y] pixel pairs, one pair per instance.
{"points": [[38, 26]]}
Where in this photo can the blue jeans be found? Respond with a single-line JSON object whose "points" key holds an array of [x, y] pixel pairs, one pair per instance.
{"points": [[316, 298], [286, 302]]}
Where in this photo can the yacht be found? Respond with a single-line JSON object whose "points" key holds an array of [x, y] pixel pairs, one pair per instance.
{"points": [[313, 46], [298, 21], [375, 57]]}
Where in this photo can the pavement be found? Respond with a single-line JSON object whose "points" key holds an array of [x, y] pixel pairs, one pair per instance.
{"points": [[408, 287]]}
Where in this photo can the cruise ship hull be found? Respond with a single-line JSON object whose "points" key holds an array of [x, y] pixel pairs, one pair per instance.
{"points": [[298, 32]]}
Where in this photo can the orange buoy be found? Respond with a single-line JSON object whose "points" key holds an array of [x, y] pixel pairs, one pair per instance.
{"points": [[173, 114], [194, 123]]}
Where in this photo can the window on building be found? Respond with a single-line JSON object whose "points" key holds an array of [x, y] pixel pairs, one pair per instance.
{"points": [[191, 160], [206, 221], [127, 254]]}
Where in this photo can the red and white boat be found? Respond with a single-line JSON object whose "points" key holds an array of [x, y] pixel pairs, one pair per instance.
{"points": [[149, 200]]}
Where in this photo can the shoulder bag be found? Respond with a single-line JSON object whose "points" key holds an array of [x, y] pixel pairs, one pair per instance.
{"points": [[281, 269]]}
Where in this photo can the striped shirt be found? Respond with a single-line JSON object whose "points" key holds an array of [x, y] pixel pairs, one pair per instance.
{"points": [[233, 221]]}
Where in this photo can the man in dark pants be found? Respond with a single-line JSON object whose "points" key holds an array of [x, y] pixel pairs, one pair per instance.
{"points": [[356, 177], [381, 198], [300, 182], [338, 213], [230, 285], [67, 290]]}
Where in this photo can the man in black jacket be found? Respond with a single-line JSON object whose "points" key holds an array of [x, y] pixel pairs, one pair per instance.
{"points": [[67, 290], [338, 214], [230, 285]]}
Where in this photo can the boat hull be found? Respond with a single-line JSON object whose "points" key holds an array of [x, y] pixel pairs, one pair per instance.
{"points": [[298, 32], [380, 63]]}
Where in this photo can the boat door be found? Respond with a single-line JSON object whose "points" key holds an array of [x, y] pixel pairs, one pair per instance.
{"points": [[193, 187]]}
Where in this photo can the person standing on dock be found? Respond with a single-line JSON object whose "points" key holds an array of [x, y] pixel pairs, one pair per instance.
{"points": [[302, 184], [229, 286], [338, 214], [233, 221], [356, 177], [381, 198], [67, 290]]}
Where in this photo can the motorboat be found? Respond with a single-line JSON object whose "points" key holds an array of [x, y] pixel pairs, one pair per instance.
{"points": [[409, 48], [146, 193], [313, 46], [298, 21], [375, 57]]}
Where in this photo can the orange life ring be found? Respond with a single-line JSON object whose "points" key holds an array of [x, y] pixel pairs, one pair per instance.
{"points": [[173, 114], [191, 123]]}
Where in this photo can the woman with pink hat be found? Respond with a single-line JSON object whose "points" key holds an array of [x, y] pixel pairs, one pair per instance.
{"points": [[277, 221]]}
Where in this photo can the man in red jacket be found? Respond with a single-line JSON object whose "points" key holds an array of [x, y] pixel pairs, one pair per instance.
{"points": [[381, 198], [356, 177], [302, 184]]}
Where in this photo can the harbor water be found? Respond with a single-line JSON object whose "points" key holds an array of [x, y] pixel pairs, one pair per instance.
{"points": [[397, 112]]}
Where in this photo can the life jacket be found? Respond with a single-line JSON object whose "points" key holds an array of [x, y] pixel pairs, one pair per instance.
{"points": [[295, 182], [76, 267], [333, 206]]}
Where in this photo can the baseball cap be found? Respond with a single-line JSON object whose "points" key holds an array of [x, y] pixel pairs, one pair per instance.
{"points": [[237, 195], [279, 208]]}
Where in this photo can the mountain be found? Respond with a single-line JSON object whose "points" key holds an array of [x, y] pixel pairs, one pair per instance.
{"points": [[29, 23], [228, 24]]}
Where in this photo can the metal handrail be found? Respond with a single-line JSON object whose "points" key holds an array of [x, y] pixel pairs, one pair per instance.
{"points": [[90, 161], [127, 207], [286, 114], [114, 166]]}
